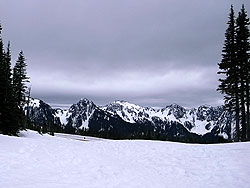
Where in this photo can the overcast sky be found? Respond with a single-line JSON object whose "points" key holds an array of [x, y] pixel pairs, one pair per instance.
{"points": [[149, 52]]}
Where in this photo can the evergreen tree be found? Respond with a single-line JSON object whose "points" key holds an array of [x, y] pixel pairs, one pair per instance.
{"points": [[235, 67], [19, 80], [243, 47], [12, 116], [5, 83], [28, 122], [19, 88], [2, 80], [229, 68], [8, 109]]}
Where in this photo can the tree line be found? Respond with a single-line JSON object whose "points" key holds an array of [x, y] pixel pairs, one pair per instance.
{"points": [[12, 91], [235, 72]]}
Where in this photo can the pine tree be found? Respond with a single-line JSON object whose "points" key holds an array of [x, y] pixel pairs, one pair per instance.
{"points": [[243, 47], [229, 68]]}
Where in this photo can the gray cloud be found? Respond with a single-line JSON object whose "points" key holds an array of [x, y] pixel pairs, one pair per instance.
{"points": [[147, 52]]}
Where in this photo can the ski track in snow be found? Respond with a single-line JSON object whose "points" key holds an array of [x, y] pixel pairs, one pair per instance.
{"points": [[35, 161]]}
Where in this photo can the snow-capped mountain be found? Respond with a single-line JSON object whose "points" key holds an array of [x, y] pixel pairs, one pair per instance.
{"points": [[122, 119], [42, 115], [78, 114], [200, 121]]}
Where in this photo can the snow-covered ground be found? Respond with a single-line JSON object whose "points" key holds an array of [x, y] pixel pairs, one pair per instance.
{"points": [[35, 161]]}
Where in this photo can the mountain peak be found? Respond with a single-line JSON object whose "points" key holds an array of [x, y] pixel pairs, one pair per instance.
{"points": [[174, 105], [85, 115], [85, 100], [206, 106], [126, 104], [120, 101]]}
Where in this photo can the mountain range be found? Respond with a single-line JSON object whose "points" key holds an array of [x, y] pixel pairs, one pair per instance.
{"points": [[124, 120]]}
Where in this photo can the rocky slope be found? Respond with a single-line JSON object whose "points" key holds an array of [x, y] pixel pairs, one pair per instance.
{"points": [[199, 120], [122, 119]]}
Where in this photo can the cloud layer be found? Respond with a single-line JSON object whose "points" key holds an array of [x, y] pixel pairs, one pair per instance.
{"points": [[149, 52]]}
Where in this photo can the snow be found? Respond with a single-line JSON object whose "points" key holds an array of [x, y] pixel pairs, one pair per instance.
{"points": [[66, 161], [78, 137], [200, 127], [63, 115], [131, 112], [85, 124], [128, 105], [35, 103], [224, 135]]}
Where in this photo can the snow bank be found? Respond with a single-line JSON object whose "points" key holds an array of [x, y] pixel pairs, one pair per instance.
{"points": [[36, 161]]}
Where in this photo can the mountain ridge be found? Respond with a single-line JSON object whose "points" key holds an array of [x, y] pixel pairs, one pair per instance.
{"points": [[122, 119]]}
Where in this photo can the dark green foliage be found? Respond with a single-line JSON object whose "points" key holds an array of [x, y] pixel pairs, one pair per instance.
{"points": [[2, 82], [243, 47], [19, 80], [8, 110], [12, 117], [229, 67], [69, 129], [236, 70]]}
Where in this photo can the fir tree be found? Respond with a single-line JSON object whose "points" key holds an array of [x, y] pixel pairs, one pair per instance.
{"points": [[19, 88], [2, 81], [8, 110], [243, 47], [5, 86], [19, 80], [235, 67], [12, 91], [11, 111], [229, 68]]}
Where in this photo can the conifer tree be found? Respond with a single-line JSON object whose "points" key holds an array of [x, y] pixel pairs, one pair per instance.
{"points": [[229, 68], [243, 47], [235, 67], [12, 112], [19, 88], [2, 85], [19, 80], [8, 109], [8, 86]]}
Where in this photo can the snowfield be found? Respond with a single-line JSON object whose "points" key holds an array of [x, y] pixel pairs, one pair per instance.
{"points": [[68, 161]]}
